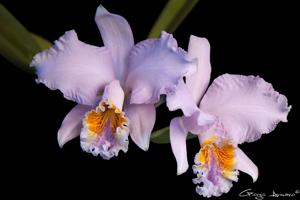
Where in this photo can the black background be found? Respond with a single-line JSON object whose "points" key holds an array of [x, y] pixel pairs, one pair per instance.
{"points": [[246, 37]]}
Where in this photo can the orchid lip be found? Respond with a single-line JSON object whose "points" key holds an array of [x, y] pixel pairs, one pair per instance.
{"points": [[215, 167], [105, 130]]}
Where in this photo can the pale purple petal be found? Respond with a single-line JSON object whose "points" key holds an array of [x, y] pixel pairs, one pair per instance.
{"points": [[142, 119], [114, 93], [80, 71], [117, 36], [246, 105], [199, 48], [244, 164], [182, 99], [155, 67], [178, 135], [72, 124]]}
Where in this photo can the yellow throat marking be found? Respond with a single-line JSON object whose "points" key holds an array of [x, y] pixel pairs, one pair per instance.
{"points": [[222, 152], [96, 120]]}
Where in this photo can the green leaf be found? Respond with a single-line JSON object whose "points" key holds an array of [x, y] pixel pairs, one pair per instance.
{"points": [[161, 136], [171, 17], [16, 43], [42, 42]]}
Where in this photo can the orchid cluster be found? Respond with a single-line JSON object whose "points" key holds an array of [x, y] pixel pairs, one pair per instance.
{"points": [[117, 86]]}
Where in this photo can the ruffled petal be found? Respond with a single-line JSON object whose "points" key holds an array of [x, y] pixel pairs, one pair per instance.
{"points": [[117, 37], [142, 119], [178, 135], [155, 67], [80, 71], [182, 99], [246, 105], [199, 48], [244, 164], [72, 124]]}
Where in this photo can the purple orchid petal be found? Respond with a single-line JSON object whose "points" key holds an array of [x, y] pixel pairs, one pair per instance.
{"points": [[155, 67], [142, 119], [244, 164], [178, 135], [246, 105], [80, 71], [199, 48], [117, 37], [182, 99], [72, 124]]}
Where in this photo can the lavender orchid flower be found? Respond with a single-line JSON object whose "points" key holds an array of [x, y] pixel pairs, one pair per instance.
{"points": [[235, 109], [104, 81]]}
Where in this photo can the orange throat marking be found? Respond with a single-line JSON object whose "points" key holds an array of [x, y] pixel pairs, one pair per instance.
{"points": [[223, 153], [96, 120]]}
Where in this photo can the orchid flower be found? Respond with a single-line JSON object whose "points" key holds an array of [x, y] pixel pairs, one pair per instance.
{"points": [[115, 86], [235, 109]]}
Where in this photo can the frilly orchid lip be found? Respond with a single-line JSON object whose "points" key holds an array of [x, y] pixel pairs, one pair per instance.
{"points": [[214, 166], [236, 108], [90, 75]]}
